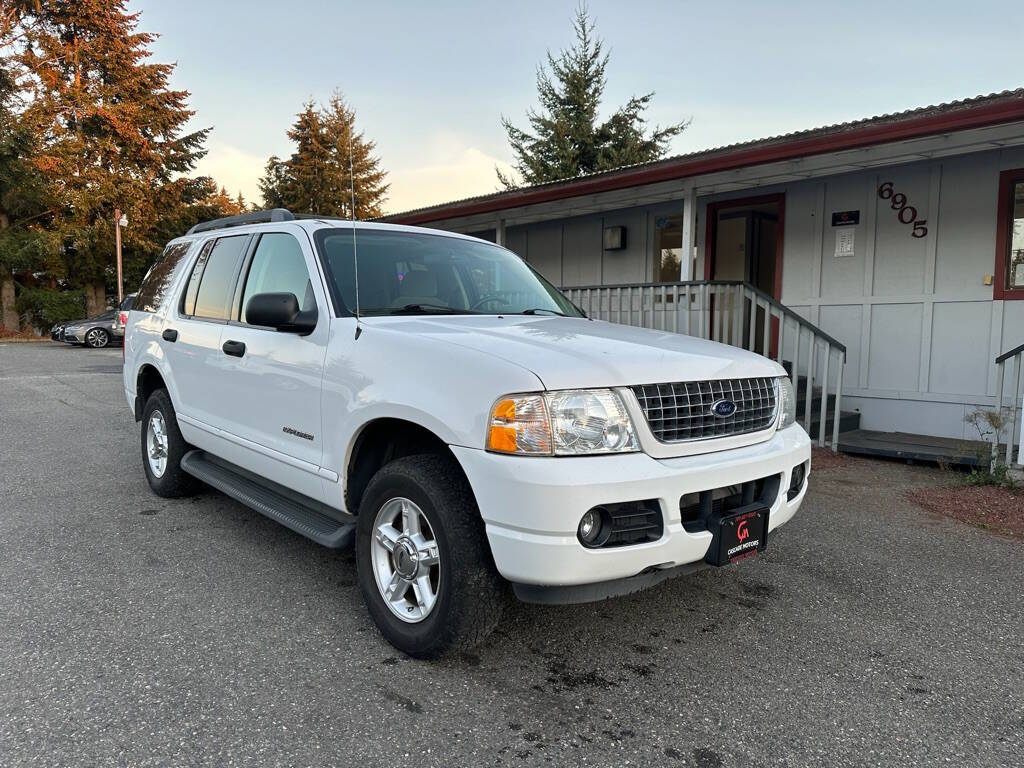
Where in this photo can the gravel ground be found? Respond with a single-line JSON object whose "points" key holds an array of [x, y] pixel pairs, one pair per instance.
{"points": [[1000, 510], [140, 631]]}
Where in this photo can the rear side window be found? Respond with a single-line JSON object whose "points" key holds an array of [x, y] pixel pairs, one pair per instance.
{"points": [[213, 278], [278, 266], [157, 282]]}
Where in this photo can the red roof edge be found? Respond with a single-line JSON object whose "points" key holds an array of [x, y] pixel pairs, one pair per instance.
{"points": [[855, 138]]}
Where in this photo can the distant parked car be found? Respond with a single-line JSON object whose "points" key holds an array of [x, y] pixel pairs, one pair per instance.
{"points": [[96, 332], [122, 313]]}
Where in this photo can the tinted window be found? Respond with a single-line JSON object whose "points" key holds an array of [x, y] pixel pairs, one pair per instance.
{"points": [[127, 303], [278, 266], [405, 273], [216, 278], [157, 282]]}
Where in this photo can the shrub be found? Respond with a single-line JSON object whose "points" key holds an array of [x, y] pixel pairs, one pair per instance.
{"points": [[45, 307]]}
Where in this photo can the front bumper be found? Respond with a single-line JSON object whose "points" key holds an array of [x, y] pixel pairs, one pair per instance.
{"points": [[532, 505]]}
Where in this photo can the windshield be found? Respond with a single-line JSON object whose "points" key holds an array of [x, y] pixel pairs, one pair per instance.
{"points": [[404, 273]]}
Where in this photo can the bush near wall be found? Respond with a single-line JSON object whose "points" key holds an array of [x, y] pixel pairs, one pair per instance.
{"points": [[45, 307]]}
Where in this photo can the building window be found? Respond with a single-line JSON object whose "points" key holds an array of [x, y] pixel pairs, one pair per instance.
{"points": [[1009, 271], [668, 249]]}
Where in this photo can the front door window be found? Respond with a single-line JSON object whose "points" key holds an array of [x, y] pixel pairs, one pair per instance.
{"points": [[668, 249]]}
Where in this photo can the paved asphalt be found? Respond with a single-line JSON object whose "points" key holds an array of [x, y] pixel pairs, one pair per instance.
{"points": [[140, 631]]}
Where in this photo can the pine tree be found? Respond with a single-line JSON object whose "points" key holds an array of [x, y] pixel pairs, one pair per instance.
{"points": [[111, 128], [320, 177], [26, 249], [356, 170], [275, 175], [566, 139]]}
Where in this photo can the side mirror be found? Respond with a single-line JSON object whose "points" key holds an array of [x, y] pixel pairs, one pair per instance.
{"points": [[281, 312]]}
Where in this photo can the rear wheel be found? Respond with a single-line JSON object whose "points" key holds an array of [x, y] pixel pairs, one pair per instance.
{"points": [[97, 338], [162, 449], [425, 569]]}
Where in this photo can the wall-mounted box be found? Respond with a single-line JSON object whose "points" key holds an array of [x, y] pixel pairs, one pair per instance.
{"points": [[614, 238]]}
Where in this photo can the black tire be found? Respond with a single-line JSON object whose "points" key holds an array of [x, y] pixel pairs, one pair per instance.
{"points": [[471, 595], [102, 338], [174, 482]]}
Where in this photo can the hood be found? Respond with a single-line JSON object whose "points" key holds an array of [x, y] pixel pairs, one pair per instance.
{"points": [[569, 352]]}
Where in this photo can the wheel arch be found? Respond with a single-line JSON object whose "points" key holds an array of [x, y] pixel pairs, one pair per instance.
{"points": [[147, 381], [385, 439]]}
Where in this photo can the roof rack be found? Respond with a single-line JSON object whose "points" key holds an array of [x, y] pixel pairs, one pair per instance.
{"points": [[256, 217]]}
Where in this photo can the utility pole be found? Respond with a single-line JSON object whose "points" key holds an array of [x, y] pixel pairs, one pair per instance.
{"points": [[119, 221]]}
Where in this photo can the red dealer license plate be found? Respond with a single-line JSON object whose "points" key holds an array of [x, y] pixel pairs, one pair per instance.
{"points": [[738, 534]]}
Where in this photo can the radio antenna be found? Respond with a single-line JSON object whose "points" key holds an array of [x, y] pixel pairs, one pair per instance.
{"points": [[352, 197]]}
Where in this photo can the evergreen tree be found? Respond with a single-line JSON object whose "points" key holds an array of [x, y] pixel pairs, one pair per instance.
{"points": [[226, 205], [275, 175], [566, 139], [330, 162], [111, 130]]}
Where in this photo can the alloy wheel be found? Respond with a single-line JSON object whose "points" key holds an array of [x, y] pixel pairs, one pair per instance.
{"points": [[96, 338], [406, 560], [156, 444]]}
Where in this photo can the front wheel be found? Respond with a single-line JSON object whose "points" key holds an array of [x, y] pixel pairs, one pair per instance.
{"points": [[97, 338], [424, 566]]}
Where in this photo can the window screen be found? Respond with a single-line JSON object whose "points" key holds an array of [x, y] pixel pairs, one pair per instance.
{"points": [[214, 275], [278, 266]]}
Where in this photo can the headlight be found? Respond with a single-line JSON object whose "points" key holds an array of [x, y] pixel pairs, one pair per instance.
{"points": [[787, 401], [572, 422]]}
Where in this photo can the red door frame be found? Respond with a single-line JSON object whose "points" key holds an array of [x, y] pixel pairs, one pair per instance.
{"points": [[709, 244], [1004, 214], [740, 202]]}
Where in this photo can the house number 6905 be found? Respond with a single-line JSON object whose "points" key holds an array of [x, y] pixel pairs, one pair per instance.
{"points": [[907, 214]]}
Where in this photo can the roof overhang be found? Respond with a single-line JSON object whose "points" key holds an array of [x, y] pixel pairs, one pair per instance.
{"points": [[956, 132]]}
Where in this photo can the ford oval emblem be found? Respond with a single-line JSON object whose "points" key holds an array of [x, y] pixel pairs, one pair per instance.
{"points": [[723, 409]]}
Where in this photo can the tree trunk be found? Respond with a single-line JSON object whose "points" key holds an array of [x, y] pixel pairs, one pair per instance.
{"points": [[95, 299], [8, 313]]}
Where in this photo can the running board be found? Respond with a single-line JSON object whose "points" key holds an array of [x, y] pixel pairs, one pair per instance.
{"points": [[301, 517]]}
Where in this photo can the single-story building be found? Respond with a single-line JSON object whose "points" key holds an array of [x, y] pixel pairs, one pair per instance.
{"points": [[898, 240]]}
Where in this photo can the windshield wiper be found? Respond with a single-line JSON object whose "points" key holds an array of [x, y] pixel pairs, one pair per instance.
{"points": [[412, 309], [538, 310]]}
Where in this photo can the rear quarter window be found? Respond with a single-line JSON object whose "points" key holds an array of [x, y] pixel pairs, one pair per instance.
{"points": [[156, 286]]}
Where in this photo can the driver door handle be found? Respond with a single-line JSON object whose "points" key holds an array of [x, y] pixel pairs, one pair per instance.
{"points": [[234, 348]]}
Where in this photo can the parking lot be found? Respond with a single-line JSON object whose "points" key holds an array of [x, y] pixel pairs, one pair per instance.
{"points": [[141, 631]]}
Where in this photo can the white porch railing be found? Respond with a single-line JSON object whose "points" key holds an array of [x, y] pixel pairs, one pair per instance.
{"points": [[1012, 357], [734, 313]]}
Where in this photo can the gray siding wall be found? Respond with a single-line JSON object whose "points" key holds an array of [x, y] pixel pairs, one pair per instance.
{"points": [[920, 325], [918, 321]]}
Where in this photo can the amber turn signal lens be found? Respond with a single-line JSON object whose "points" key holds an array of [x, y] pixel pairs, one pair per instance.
{"points": [[519, 424]]}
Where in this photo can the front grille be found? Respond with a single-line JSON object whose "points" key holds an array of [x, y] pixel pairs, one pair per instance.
{"points": [[682, 410]]}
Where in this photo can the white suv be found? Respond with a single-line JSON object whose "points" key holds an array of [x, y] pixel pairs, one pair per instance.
{"points": [[472, 430]]}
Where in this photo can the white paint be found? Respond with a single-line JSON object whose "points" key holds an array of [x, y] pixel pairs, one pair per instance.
{"points": [[444, 373]]}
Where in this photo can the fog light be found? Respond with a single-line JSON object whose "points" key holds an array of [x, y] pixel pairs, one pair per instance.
{"points": [[591, 531]]}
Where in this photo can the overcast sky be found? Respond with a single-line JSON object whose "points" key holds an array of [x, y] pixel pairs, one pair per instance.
{"points": [[430, 80]]}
